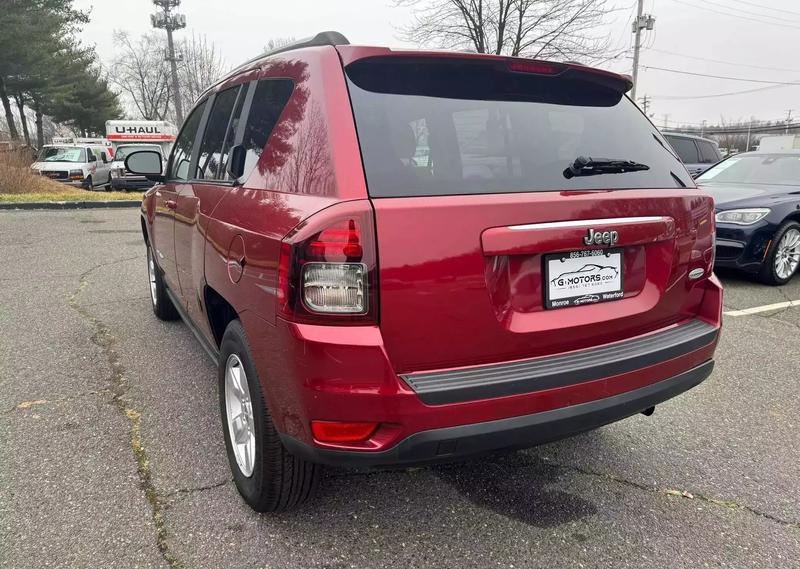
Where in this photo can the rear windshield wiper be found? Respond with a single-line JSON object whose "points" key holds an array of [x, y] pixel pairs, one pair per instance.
{"points": [[586, 166]]}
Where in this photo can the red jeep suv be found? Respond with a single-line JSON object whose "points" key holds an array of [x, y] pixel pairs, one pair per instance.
{"points": [[403, 257]]}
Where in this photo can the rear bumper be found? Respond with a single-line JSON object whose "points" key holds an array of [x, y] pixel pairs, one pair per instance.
{"points": [[463, 441], [343, 373]]}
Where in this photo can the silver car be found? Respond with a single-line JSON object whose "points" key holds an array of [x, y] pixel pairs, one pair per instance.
{"points": [[697, 154]]}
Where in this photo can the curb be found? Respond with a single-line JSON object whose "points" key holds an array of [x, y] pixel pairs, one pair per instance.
{"points": [[69, 205]]}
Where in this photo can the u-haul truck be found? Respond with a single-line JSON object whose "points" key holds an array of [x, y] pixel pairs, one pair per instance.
{"points": [[128, 136]]}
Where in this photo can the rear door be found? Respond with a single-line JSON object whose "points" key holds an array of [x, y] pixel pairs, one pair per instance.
{"points": [[166, 196], [197, 199], [488, 250]]}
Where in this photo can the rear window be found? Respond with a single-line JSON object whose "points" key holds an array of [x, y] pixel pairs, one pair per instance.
{"points": [[709, 153], [431, 127]]}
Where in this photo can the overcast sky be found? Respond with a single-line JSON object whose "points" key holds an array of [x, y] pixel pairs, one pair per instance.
{"points": [[742, 31]]}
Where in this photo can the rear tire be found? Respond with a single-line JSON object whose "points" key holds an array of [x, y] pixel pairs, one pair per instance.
{"points": [[159, 299], [266, 475], [783, 258]]}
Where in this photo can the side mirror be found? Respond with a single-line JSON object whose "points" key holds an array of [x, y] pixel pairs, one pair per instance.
{"points": [[92, 158], [236, 161], [146, 163]]}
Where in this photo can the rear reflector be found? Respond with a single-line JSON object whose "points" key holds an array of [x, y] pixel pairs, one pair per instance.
{"points": [[340, 432]]}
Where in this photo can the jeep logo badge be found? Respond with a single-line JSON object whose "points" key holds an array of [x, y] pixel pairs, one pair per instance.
{"points": [[609, 238]]}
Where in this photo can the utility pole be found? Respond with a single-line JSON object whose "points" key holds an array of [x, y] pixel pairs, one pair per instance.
{"points": [[169, 21], [703, 128], [788, 120], [645, 104], [666, 120], [642, 22], [749, 128]]}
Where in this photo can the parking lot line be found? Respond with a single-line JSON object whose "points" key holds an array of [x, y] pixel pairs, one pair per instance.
{"points": [[764, 308]]}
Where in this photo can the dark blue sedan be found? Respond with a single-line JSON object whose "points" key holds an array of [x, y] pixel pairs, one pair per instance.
{"points": [[757, 203]]}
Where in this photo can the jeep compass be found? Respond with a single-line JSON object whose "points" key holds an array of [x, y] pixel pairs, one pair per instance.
{"points": [[405, 257]]}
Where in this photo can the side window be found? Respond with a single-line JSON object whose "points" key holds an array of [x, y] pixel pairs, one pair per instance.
{"points": [[708, 152], [182, 151], [269, 99], [90, 157], [210, 164], [230, 137], [685, 148]]}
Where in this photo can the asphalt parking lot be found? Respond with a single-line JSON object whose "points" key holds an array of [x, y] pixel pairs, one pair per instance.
{"points": [[111, 454]]}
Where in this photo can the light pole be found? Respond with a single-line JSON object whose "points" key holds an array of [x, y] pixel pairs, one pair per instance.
{"points": [[169, 21], [642, 22]]}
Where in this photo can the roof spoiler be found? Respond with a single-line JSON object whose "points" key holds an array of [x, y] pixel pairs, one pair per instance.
{"points": [[322, 38]]}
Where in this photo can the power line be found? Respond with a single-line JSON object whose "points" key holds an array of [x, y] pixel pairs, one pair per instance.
{"points": [[748, 19], [727, 77], [714, 96], [723, 62], [766, 7], [742, 11]]}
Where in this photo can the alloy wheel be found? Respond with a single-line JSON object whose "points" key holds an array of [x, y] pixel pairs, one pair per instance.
{"points": [[239, 415], [787, 254]]}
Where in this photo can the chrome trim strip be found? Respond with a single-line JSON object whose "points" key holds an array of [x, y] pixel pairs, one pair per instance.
{"points": [[586, 222]]}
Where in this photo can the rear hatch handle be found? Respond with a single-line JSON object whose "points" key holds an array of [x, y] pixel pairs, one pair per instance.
{"points": [[548, 237]]}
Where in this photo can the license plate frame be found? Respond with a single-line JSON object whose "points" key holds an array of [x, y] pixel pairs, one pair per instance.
{"points": [[594, 286]]}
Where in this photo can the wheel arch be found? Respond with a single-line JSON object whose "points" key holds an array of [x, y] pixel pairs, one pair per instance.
{"points": [[145, 234], [219, 312]]}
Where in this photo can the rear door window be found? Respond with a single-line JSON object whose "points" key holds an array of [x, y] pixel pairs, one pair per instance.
{"points": [[686, 149], [447, 129], [233, 132], [211, 163]]}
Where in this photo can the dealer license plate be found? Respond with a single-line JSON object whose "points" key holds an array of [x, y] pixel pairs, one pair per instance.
{"points": [[582, 277]]}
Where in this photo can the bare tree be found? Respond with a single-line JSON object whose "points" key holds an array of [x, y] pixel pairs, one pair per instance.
{"points": [[202, 65], [140, 71], [558, 29]]}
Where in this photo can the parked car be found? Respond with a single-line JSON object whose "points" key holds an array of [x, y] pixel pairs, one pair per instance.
{"points": [[757, 197], [121, 179], [78, 165], [697, 153], [368, 307]]}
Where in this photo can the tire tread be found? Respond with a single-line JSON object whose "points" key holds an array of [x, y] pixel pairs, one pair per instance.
{"points": [[285, 480]]}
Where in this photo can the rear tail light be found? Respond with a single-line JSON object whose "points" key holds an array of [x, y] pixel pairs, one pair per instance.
{"points": [[327, 269], [341, 432]]}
